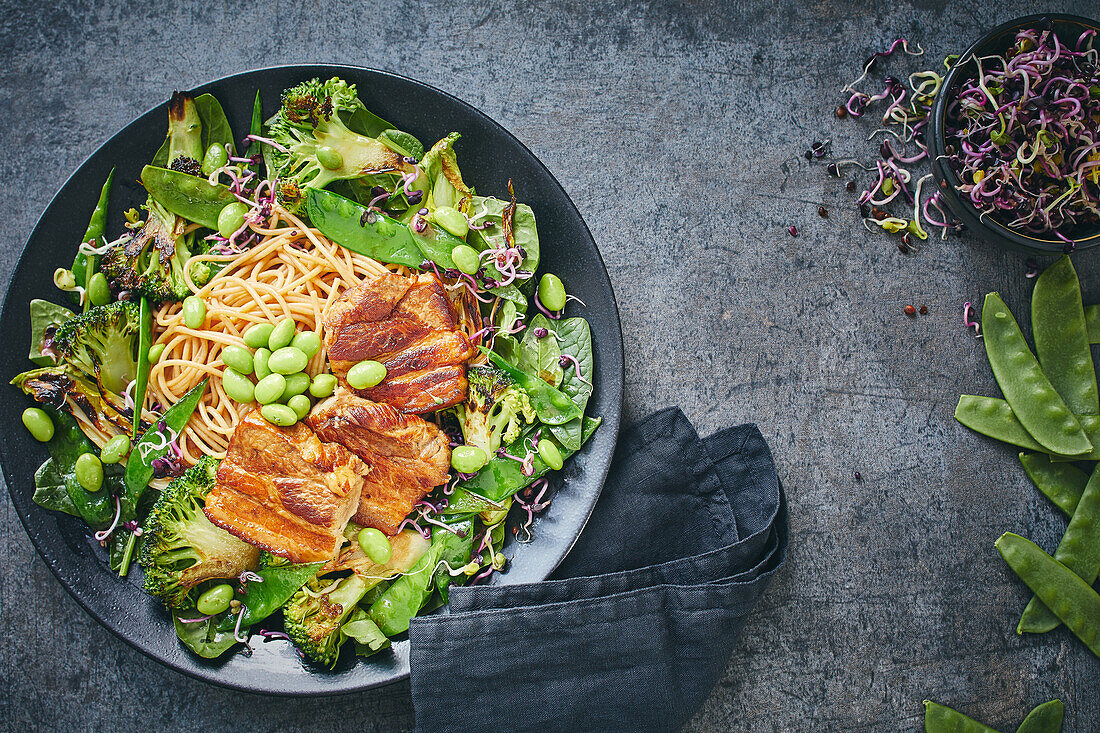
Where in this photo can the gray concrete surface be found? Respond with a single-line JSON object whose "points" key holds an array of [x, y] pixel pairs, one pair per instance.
{"points": [[678, 129]]}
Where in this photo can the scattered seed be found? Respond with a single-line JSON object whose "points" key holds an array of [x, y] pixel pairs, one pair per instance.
{"points": [[858, 477], [792, 230], [924, 310], [841, 112], [822, 212], [808, 155], [910, 310], [850, 185]]}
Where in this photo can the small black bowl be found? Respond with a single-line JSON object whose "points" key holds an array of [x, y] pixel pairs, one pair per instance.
{"points": [[998, 40]]}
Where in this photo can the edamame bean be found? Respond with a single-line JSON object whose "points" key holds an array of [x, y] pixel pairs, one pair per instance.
{"points": [[1028, 392], [550, 454], [366, 374], [214, 159], [239, 358], [269, 389], [296, 384], [280, 415], [215, 599], [468, 458], [155, 352], [942, 719], [466, 259], [307, 341], [330, 157], [194, 311], [452, 220], [300, 404], [1061, 337], [89, 472], [551, 292], [287, 360], [115, 449], [281, 335], [258, 334], [99, 292], [259, 363], [238, 386], [323, 385], [1062, 590], [38, 423], [375, 545], [231, 218]]}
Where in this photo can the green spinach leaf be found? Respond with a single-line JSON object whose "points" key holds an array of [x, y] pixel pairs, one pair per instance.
{"points": [[575, 339], [215, 125], [368, 638], [49, 489], [205, 638], [539, 356], [43, 315], [524, 229]]}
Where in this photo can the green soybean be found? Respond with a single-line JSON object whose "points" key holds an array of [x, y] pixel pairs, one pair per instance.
{"points": [[1079, 551], [155, 352], [308, 342], [231, 218], [375, 545], [258, 334], [366, 374], [239, 358], [329, 157], [215, 600], [194, 311], [468, 459], [38, 423], [466, 259], [214, 159], [1061, 337], [300, 404], [453, 221], [89, 472], [1062, 483], [259, 363], [942, 719], [322, 385], [270, 389], [281, 335], [1027, 390], [99, 292], [550, 454], [1045, 718], [238, 386], [1062, 590], [296, 384], [115, 449], [551, 292], [280, 415], [287, 360]]}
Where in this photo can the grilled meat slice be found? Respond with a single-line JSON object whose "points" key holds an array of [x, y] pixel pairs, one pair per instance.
{"points": [[285, 491], [408, 324], [408, 455]]}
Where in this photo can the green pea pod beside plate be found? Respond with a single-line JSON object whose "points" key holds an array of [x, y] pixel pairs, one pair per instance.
{"points": [[1045, 718], [942, 719], [1061, 337], [1062, 483]]}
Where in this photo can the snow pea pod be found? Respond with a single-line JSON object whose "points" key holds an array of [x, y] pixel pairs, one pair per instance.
{"points": [[256, 127], [1079, 551], [992, 417], [1092, 323], [942, 719], [1045, 718], [1033, 399], [145, 340], [1062, 590], [193, 198], [84, 266], [1062, 483], [552, 406], [1061, 337]]}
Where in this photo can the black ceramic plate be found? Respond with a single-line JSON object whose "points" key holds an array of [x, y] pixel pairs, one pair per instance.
{"points": [[489, 156]]}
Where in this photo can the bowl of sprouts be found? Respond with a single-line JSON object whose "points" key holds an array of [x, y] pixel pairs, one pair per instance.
{"points": [[1014, 135]]}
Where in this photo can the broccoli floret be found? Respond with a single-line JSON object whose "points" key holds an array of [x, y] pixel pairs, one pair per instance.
{"points": [[102, 343], [184, 135], [495, 411], [313, 616], [183, 548], [312, 125], [152, 262]]}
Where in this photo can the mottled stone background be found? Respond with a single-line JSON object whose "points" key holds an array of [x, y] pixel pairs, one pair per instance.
{"points": [[679, 130]]}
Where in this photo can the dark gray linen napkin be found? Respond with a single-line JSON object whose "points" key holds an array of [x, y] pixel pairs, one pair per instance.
{"points": [[638, 623]]}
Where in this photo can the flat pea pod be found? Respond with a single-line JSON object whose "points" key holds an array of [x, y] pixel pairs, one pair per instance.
{"points": [[287, 360], [375, 545], [115, 449], [942, 719], [550, 454], [99, 292], [551, 292], [1061, 337], [1028, 392], [1062, 483], [992, 417], [322, 385], [155, 352], [281, 335], [194, 311], [1061, 589], [468, 458], [280, 415], [215, 599], [38, 423], [300, 404], [308, 342], [257, 335], [259, 363], [1045, 718], [89, 472], [296, 384], [214, 158], [1092, 323], [238, 386], [144, 365], [1079, 551], [269, 389], [366, 374], [84, 266], [190, 197], [231, 218], [238, 358]]}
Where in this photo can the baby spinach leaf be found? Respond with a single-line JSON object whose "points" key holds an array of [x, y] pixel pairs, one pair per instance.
{"points": [[43, 315], [66, 445], [575, 339], [49, 489], [215, 125], [280, 582], [366, 634], [367, 123], [540, 356], [526, 233], [205, 638], [402, 142], [551, 405]]}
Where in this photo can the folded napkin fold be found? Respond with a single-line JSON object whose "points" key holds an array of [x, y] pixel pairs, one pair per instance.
{"points": [[637, 624]]}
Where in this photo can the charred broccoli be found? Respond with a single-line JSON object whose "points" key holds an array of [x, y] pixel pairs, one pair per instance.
{"points": [[313, 616], [63, 387], [184, 135], [183, 548], [102, 343], [495, 411]]}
